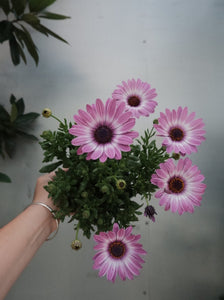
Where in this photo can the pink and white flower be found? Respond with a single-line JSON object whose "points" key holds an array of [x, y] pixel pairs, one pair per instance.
{"points": [[118, 253], [182, 134], [180, 187], [103, 131], [137, 96]]}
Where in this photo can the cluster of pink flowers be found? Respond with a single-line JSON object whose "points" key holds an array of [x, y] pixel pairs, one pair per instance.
{"points": [[104, 131]]}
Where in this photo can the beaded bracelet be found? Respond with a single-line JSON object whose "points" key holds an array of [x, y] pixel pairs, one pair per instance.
{"points": [[53, 214]]}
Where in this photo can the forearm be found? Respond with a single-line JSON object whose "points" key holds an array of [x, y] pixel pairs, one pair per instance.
{"points": [[20, 240]]}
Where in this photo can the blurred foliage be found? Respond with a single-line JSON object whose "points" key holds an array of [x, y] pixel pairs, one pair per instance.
{"points": [[4, 178], [14, 124], [19, 14], [88, 192]]}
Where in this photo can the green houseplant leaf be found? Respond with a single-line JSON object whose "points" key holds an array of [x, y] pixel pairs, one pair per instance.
{"points": [[14, 112], [52, 16], [5, 31], [38, 5], [48, 31], [25, 120], [19, 6], [24, 36], [14, 50], [13, 125], [4, 4], [50, 167], [4, 178]]}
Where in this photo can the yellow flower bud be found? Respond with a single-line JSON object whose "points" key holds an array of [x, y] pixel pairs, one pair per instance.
{"points": [[46, 112], [121, 184], [76, 245]]}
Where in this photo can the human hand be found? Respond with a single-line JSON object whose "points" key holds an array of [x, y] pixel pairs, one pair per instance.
{"points": [[40, 194]]}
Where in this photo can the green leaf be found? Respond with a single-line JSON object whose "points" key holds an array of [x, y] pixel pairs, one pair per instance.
{"points": [[53, 34], [50, 167], [14, 50], [20, 106], [10, 146], [39, 28], [30, 19], [19, 6], [4, 115], [14, 112], [38, 5], [4, 4], [5, 31], [52, 16], [4, 178], [12, 99], [25, 120], [25, 36], [27, 135], [22, 54]]}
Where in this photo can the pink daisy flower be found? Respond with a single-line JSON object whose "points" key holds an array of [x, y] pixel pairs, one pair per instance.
{"points": [[118, 253], [103, 131], [180, 187], [182, 133], [137, 96]]}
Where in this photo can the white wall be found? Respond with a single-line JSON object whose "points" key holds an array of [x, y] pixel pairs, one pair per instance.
{"points": [[178, 47]]}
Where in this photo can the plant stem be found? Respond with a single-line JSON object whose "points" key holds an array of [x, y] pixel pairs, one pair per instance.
{"points": [[77, 231], [57, 119]]}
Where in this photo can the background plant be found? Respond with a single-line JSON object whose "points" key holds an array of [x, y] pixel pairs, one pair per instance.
{"points": [[19, 14], [14, 30], [14, 124]]}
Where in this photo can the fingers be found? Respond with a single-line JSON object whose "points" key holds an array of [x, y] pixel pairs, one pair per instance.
{"points": [[51, 175]]}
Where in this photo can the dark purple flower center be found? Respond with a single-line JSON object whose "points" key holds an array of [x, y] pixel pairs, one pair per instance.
{"points": [[103, 134], [176, 134], [117, 249], [176, 184], [133, 101]]}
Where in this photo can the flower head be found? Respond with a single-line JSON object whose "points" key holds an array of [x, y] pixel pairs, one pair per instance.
{"points": [[46, 112], [181, 186], [103, 131], [150, 212], [118, 253], [137, 96], [181, 132]]}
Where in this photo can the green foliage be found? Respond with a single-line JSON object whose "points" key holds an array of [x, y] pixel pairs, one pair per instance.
{"points": [[4, 178], [87, 190], [13, 125], [26, 12]]}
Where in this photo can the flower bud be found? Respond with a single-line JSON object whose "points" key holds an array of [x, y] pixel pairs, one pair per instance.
{"points": [[46, 112], [156, 121], [104, 189], [46, 134], [121, 184], [76, 245], [86, 214], [100, 221], [84, 194], [150, 212], [176, 156]]}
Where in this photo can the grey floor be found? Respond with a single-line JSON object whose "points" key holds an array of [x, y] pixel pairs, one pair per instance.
{"points": [[178, 47]]}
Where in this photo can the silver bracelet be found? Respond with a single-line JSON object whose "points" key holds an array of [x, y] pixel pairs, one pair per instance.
{"points": [[53, 214]]}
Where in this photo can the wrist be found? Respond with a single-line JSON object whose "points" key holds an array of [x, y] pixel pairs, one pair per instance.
{"points": [[47, 216]]}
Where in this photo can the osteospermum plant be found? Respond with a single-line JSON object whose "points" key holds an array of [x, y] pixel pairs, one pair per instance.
{"points": [[102, 164]]}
